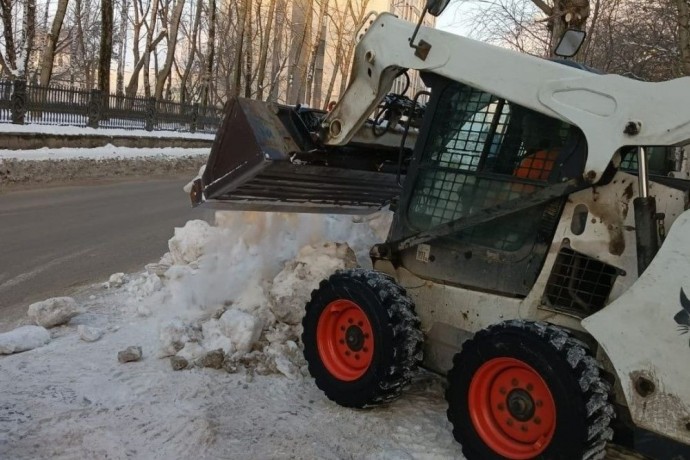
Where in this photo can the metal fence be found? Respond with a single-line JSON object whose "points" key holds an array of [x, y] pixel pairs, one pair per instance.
{"points": [[23, 103]]}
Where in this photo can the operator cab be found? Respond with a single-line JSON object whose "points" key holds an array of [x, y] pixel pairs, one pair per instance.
{"points": [[477, 151]]}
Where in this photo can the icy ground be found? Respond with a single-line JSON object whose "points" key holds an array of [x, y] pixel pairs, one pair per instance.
{"points": [[237, 286]]}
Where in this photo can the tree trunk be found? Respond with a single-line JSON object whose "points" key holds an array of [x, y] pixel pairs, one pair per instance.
{"points": [[317, 91], [357, 17], [562, 15], [264, 50], [162, 76], [683, 7], [149, 48], [51, 41], [106, 49], [249, 54], [192, 53], [276, 62], [237, 68], [302, 14], [593, 27], [336, 68], [122, 49], [318, 46], [133, 85], [28, 35], [211, 53], [10, 57]]}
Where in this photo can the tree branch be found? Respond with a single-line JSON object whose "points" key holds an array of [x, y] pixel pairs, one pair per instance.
{"points": [[544, 7]]}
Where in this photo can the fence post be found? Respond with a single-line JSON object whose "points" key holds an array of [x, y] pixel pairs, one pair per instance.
{"points": [[195, 117], [150, 113], [19, 102], [95, 108]]}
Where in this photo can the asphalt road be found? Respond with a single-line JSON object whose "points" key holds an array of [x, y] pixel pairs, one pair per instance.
{"points": [[56, 240]]}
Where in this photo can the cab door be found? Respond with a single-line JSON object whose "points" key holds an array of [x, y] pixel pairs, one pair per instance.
{"points": [[476, 151]]}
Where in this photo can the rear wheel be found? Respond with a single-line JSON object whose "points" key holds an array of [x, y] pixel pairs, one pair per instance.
{"points": [[522, 390], [361, 338]]}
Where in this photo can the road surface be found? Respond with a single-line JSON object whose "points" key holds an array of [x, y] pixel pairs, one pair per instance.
{"points": [[55, 240]]}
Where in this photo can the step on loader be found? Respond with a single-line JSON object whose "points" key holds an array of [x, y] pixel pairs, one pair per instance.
{"points": [[539, 255]]}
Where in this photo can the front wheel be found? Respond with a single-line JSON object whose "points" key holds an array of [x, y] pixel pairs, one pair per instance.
{"points": [[361, 338], [522, 390]]}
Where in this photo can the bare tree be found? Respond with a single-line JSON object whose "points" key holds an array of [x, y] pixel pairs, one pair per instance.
{"points": [[317, 51], [357, 11], [563, 14], [164, 73], [16, 62], [277, 61], [122, 48], [634, 38], [683, 7], [106, 48], [532, 26], [9, 57], [48, 55], [150, 46], [184, 78], [302, 12], [211, 55], [249, 54], [237, 72], [265, 40]]}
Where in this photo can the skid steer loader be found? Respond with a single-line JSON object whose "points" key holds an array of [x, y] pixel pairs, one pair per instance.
{"points": [[539, 252]]}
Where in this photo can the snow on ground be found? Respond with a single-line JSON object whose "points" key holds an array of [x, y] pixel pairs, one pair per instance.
{"points": [[85, 131], [235, 286], [97, 153]]}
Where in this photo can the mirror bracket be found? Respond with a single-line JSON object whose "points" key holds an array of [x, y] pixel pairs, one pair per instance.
{"points": [[421, 49]]}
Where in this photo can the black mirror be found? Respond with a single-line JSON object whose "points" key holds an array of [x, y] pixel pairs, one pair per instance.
{"points": [[436, 7], [570, 43]]}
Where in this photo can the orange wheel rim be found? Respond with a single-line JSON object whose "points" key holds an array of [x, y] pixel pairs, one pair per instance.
{"points": [[512, 409], [345, 340]]}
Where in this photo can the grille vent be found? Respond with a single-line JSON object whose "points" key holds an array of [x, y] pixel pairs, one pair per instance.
{"points": [[578, 283]]}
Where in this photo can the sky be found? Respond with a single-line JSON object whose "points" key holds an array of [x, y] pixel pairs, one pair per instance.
{"points": [[453, 18]]}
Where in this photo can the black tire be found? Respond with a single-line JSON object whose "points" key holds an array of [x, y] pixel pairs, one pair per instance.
{"points": [[580, 394], [397, 338]]}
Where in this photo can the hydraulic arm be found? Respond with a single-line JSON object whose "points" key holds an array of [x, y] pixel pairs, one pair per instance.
{"points": [[611, 110]]}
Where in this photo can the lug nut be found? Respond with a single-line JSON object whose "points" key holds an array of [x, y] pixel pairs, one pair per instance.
{"points": [[503, 391], [347, 353], [365, 349], [523, 428], [360, 323], [356, 356], [537, 420], [501, 406], [349, 320], [539, 403], [530, 387], [342, 342], [509, 422], [514, 382]]}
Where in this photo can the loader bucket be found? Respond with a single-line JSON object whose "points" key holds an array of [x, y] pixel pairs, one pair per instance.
{"points": [[265, 158]]}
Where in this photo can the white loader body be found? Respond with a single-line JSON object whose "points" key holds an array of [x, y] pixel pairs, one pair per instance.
{"points": [[648, 348]]}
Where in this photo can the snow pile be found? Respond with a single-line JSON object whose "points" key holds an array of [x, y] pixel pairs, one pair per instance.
{"points": [[239, 288], [71, 165], [53, 312], [23, 339], [72, 399], [292, 287], [89, 334]]}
